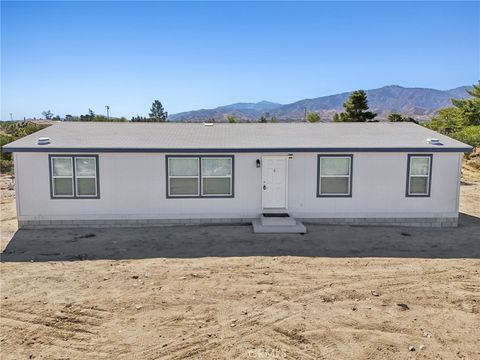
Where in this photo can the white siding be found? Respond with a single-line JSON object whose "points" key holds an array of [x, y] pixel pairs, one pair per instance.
{"points": [[132, 186]]}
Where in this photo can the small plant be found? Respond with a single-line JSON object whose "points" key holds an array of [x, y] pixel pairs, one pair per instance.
{"points": [[313, 117]]}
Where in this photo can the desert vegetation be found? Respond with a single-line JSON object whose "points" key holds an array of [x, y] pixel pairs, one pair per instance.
{"points": [[462, 120], [11, 131]]}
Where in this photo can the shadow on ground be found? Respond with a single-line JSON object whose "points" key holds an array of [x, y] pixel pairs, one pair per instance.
{"points": [[233, 241]]}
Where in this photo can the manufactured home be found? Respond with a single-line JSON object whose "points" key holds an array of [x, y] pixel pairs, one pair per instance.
{"points": [[148, 174]]}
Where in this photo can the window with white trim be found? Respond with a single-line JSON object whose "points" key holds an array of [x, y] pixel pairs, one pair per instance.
{"points": [[73, 176], [419, 173], [216, 176], [85, 176], [183, 176], [200, 176], [335, 176], [62, 176]]}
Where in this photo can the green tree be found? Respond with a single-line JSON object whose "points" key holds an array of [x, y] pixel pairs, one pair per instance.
{"points": [[447, 120], [313, 117], [395, 117], [462, 120], [356, 108], [139, 119], [231, 119], [103, 118], [88, 117], [47, 114], [469, 135], [469, 108], [157, 112], [263, 119]]}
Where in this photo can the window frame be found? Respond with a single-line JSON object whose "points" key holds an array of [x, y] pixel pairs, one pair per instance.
{"points": [[349, 176], [84, 176], [53, 177], [73, 158], [200, 194], [428, 176], [183, 176], [216, 176]]}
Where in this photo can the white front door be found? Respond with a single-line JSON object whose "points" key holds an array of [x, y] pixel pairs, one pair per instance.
{"points": [[274, 181]]}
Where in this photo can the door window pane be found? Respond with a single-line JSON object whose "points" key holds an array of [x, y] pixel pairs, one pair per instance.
{"points": [[62, 166], [334, 166], [183, 167], [85, 166], [216, 167], [419, 166], [183, 186], [86, 186], [216, 186], [62, 186], [418, 185], [334, 185]]}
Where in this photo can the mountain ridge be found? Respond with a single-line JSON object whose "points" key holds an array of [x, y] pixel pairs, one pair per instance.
{"points": [[419, 103]]}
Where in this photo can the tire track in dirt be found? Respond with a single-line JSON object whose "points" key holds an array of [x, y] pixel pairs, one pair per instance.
{"points": [[76, 325], [305, 318], [273, 315], [55, 322], [184, 350], [327, 347]]}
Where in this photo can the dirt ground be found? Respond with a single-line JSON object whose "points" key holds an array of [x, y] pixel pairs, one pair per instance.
{"points": [[470, 189], [221, 292]]}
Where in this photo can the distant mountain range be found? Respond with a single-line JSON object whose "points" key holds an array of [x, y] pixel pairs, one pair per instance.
{"points": [[419, 103]]}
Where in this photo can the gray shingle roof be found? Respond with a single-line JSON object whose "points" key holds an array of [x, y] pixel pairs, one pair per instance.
{"points": [[188, 137]]}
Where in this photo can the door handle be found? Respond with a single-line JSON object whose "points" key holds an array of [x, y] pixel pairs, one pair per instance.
{"points": [[264, 187]]}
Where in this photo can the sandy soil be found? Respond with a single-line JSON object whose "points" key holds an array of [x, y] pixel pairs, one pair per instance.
{"points": [[8, 212], [470, 189], [331, 294]]}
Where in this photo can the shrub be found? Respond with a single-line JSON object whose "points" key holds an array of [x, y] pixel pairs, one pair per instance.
{"points": [[469, 135], [11, 131], [6, 166]]}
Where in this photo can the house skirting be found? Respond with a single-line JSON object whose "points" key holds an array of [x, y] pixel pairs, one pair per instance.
{"points": [[400, 221]]}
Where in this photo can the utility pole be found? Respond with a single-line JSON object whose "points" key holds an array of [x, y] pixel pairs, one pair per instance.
{"points": [[108, 112]]}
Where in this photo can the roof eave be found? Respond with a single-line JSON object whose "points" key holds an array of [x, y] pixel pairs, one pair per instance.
{"points": [[237, 150]]}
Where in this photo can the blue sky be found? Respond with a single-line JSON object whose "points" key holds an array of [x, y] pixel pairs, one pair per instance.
{"points": [[71, 56]]}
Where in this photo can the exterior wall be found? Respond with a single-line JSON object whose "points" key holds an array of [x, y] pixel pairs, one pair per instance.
{"points": [[133, 191]]}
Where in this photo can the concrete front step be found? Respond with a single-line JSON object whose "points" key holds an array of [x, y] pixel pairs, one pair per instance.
{"points": [[297, 228], [274, 211], [277, 221]]}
